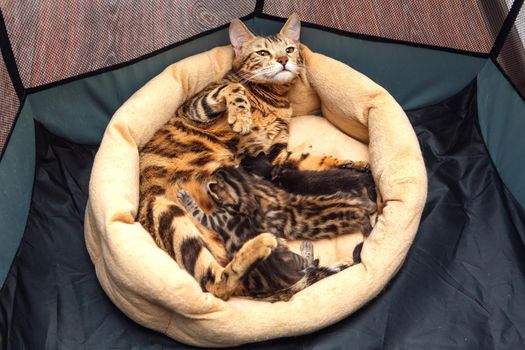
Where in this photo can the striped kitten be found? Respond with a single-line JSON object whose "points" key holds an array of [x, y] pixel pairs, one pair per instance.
{"points": [[245, 113], [248, 206]]}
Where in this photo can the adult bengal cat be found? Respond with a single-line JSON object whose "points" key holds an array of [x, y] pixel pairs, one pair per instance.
{"points": [[245, 113]]}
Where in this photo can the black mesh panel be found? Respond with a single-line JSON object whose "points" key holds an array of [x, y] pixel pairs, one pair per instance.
{"points": [[512, 55], [54, 40]]}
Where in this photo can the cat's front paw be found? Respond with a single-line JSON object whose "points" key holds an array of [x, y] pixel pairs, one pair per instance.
{"points": [[240, 120]]}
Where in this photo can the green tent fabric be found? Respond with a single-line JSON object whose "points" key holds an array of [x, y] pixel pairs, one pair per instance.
{"points": [[474, 154]]}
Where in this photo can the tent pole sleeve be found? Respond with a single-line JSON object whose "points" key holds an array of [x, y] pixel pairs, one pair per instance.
{"points": [[506, 28], [259, 7]]}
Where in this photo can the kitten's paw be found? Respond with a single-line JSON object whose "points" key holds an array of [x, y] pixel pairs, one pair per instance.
{"points": [[360, 166], [307, 251], [185, 198], [240, 120], [268, 240], [238, 106]]}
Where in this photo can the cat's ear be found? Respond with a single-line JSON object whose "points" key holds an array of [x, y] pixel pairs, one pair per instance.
{"points": [[212, 188], [292, 27], [239, 34]]}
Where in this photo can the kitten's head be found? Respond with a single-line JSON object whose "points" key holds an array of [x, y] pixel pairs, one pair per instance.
{"points": [[230, 190], [274, 59]]}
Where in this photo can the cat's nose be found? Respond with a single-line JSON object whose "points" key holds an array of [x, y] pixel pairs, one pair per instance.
{"points": [[282, 60]]}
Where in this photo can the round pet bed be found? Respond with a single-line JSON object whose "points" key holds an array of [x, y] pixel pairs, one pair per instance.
{"points": [[149, 287]]}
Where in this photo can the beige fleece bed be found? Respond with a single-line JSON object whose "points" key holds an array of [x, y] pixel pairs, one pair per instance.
{"points": [[149, 287]]}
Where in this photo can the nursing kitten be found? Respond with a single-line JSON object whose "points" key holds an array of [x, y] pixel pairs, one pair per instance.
{"points": [[248, 206], [247, 112]]}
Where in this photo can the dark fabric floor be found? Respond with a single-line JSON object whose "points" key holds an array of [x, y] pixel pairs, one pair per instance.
{"points": [[462, 286]]}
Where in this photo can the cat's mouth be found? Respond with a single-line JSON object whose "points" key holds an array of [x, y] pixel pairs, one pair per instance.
{"points": [[283, 74], [283, 70]]}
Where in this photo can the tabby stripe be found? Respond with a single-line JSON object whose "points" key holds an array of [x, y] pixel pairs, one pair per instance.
{"points": [[255, 281], [149, 216], [270, 282], [281, 122], [181, 175], [232, 144], [357, 253], [192, 131], [154, 171], [190, 250], [293, 220], [250, 56], [159, 151], [154, 190], [202, 160], [233, 184], [195, 107], [222, 233], [166, 230], [233, 222], [207, 278], [330, 228], [331, 216], [275, 150], [197, 146], [270, 98], [218, 91], [202, 175], [210, 112], [173, 142], [187, 108], [251, 268], [273, 38]]}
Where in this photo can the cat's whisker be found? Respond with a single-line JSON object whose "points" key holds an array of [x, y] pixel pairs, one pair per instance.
{"points": [[256, 74]]}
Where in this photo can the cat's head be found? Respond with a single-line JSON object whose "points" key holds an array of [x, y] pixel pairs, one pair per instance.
{"points": [[274, 59], [230, 190]]}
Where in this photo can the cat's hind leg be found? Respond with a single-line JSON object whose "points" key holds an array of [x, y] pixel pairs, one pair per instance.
{"points": [[176, 233]]}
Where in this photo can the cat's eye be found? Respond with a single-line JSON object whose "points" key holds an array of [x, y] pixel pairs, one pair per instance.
{"points": [[290, 49], [263, 53]]}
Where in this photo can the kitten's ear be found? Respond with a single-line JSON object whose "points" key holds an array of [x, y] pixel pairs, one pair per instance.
{"points": [[292, 27], [239, 34], [212, 188]]}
